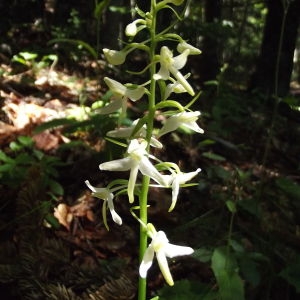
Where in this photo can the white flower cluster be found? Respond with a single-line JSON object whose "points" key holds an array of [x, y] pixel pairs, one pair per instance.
{"points": [[138, 158]]}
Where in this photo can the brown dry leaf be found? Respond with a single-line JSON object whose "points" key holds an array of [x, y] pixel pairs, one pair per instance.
{"points": [[63, 215], [22, 114], [6, 133], [46, 141], [83, 208]]}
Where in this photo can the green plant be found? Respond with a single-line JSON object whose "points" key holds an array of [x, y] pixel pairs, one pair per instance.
{"points": [[20, 157], [29, 60], [141, 136]]}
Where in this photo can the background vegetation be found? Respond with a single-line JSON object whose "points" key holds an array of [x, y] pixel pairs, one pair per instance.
{"points": [[243, 216]]}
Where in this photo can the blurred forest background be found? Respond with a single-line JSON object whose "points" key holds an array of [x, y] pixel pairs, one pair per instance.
{"points": [[243, 216]]}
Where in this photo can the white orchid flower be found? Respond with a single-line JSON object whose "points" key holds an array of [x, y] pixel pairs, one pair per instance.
{"points": [[175, 180], [161, 247], [181, 47], [121, 93], [185, 119], [170, 64], [132, 29], [126, 133], [137, 160], [115, 57], [107, 196]]}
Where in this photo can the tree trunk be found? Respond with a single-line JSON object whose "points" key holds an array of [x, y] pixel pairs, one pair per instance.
{"points": [[273, 73], [209, 60]]}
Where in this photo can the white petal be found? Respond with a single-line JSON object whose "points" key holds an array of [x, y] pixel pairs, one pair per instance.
{"points": [[155, 143], [146, 262], [174, 88], [101, 193], [120, 132], [136, 147], [184, 177], [115, 86], [182, 80], [116, 218], [148, 169], [131, 183], [91, 187], [170, 125], [193, 126], [181, 59], [123, 164], [163, 73], [113, 106], [164, 267], [135, 94], [172, 250], [175, 192]]}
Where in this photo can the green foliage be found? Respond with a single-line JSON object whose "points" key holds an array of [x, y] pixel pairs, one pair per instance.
{"points": [[22, 156], [225, 268], [187, 289], [100, 7], [291, 273], [31, 60]]}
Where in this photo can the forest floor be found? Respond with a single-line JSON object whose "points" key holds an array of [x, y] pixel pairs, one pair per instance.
{"points": [[73, 256]]}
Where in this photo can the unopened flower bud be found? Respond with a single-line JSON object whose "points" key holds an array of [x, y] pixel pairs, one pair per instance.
{"points": [[181, 47], [114, 57]]}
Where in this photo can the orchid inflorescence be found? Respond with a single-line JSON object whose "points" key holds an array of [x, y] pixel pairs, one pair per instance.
{"points": [[165, 74]]}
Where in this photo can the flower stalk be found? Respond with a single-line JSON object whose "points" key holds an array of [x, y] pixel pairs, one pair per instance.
{"points": [[165, 78]]}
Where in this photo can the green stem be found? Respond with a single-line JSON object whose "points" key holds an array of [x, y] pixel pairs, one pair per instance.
{"points": [[143, 200]]}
